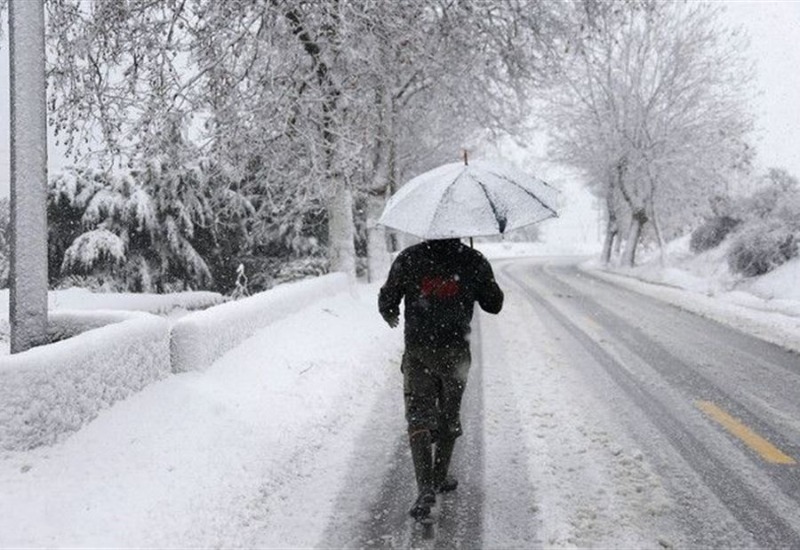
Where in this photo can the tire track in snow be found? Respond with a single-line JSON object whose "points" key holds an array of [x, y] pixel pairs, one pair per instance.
{"points": [[682, 372], [750, 374], [510, 512], [766, 526], [384, 522], [461, 512], [592, 486]]}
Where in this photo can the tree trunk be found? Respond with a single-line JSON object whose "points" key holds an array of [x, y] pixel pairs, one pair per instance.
{"points": [[662, 249], [379, 242], [608, 244], [378, 258], [392, 244], [341, 227], [618, 245], [341, 232], [612, 230], [638, 220]]}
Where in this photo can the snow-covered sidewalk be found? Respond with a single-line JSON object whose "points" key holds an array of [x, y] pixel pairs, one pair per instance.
{"points": [[215, 458]]}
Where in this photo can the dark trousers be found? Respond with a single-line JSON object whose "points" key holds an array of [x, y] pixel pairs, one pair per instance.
{"points": [[433, 383]]}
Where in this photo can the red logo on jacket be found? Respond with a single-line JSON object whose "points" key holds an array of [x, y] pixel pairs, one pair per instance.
{"points": [[440, 287]]}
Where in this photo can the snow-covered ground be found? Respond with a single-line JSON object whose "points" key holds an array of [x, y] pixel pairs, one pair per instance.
{"points": [[254, 451], [214, 458]]}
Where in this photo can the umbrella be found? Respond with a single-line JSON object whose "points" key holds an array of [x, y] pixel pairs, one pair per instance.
{"points": [[469, 200]]}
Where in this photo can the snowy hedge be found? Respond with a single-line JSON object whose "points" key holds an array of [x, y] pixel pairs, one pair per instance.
{"points": [[200, 338], [762, 247], [55, 389], [712, 233], [771, 230]]}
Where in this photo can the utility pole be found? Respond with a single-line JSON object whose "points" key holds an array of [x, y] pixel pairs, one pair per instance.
{"points": [[28, 296]]}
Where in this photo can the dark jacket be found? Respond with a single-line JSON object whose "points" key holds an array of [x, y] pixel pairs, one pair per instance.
{"points": [[440, 281]]}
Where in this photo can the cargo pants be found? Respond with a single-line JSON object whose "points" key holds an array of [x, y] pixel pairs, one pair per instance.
{"points": [[433, 384]]}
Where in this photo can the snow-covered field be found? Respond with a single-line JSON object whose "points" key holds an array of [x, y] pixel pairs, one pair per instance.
{"points": [[254, 451]]}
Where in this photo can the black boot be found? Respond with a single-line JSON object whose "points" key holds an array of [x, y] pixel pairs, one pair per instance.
{"points": [[444, 451], [420, 442]]}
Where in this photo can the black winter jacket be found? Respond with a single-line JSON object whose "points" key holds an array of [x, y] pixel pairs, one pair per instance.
{"points": [[440, 281]]}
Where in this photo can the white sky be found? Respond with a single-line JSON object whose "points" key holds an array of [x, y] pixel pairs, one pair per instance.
{"points": [[772, 25]]}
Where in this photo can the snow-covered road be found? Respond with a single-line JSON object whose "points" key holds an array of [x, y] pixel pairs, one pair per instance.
{"points": [[702, 414], [602, 417], [594, 416]]}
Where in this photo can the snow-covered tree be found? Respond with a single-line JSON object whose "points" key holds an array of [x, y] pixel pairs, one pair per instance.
{"points": [[113, 227], [653, 108], [303, 108]]}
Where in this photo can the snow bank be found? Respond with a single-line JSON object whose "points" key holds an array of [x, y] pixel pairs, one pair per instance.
{"points": [[55, 389], [782, 283], [200, 338]]}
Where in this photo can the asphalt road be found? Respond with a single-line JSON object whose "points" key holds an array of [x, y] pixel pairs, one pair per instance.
{"points": [[715, 411]]}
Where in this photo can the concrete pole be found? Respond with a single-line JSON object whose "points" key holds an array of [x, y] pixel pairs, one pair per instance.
{"points": [[28, 296]]}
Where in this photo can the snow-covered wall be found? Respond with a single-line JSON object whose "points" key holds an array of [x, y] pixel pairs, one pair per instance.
{"points": [[55, 389], [102, 356], [200, 338]]}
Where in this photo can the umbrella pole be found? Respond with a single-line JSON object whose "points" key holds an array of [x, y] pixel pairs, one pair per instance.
{"points": [[470, 243]]}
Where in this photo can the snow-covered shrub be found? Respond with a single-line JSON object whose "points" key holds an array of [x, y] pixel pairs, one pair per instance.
{"points": [[712, 233], [128, 227], [241, 290], [301, 268], [96, 282], [761, 247], [267, 272], [98, 247], [770, 231], [52, 390]]}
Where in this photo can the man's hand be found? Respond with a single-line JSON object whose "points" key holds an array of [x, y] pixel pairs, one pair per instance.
{"points": [[392, 320]]}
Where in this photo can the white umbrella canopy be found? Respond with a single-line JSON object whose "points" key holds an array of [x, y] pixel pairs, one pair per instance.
{"points": [[469, 200]]}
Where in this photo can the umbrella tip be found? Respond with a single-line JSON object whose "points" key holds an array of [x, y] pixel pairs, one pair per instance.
{"points": [[466, 162]]}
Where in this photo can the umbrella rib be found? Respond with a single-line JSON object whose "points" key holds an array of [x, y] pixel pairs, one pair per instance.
{"points": [[441, 202], [482, 186], [537, 199]]}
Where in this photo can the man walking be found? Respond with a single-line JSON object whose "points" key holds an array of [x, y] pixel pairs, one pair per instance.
{"points": [[440, 281]]}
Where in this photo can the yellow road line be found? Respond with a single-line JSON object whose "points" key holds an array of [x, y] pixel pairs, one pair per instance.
{"points": [[767, 450]]}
